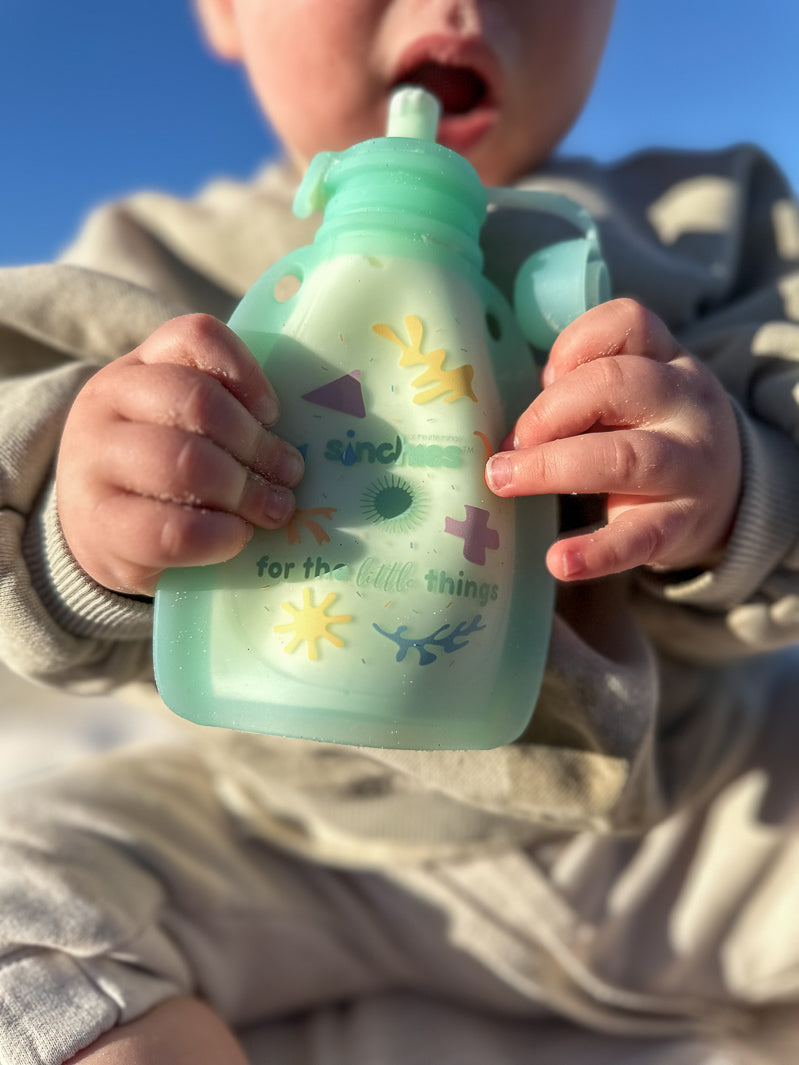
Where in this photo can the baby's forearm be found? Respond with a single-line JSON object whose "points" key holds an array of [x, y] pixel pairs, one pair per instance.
{"points": [[179, 1030]]}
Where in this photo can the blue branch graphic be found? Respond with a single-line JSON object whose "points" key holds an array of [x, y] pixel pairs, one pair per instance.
{"points": [[447, 643]]}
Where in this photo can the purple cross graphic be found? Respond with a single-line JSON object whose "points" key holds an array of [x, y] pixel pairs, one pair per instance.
{"points": [[477, 536]]}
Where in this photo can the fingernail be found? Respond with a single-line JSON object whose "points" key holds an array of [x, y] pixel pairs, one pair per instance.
{"points": [[547, 375], [573, 563], [290, 466], [278, 502], [499, 471], [266, 410]]}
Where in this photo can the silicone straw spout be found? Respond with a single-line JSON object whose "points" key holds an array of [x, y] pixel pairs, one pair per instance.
{"points": [[413, 112]]}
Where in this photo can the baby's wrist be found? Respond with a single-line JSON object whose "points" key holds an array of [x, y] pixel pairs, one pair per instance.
{"points": [[75, 601], [762, 532]]}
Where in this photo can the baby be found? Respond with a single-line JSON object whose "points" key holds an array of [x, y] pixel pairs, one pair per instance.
{"points": [[165, 899], [167, 457]]}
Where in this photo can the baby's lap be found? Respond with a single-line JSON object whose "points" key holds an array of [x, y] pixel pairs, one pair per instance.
{"points": [[133, 855], [158, 812], [168, 800], [410, 1029], [148, 821], [141, 837]]}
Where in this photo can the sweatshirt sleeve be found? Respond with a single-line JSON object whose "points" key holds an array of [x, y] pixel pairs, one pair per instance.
{"points": [[132, 266], [747, 332], [58, 324]]}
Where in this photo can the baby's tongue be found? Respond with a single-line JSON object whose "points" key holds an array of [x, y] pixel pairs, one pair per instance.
{"points": [[458, 88]]}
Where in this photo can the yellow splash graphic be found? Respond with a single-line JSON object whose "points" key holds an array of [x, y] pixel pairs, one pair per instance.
{"points": [[311, 624], [452, 384]]}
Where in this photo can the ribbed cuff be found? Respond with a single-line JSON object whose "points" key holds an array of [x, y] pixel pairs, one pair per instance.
{"points": [[76, 602], [50, 1009], [765, 530], [53, 1004]]}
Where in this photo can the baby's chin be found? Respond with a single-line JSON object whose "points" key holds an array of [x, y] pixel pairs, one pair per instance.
{"points": [[497, 166], [504, 154]]}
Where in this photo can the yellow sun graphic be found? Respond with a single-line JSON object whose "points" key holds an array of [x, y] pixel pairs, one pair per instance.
{"points": [[310, 624]]}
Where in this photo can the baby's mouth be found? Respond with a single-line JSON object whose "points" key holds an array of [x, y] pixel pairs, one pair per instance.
{"points": [[467, 79], [460, 90]]}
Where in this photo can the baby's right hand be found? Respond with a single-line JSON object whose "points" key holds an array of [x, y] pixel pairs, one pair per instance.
{"points": [[166, 458]]}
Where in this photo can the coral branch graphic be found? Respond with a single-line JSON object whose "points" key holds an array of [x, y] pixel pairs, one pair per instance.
{"points": [[310, 624], [448, 644], [489, 450], [305, 517], [452, 384]]}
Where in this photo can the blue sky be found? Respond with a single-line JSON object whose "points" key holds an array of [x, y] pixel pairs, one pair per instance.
{"points": [[104, 98]]}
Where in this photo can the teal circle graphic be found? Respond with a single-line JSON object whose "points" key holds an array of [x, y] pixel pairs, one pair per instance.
{"points": [[393, 503]]}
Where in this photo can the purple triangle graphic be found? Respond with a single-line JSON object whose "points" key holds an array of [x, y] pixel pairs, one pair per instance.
{"points": [[344, 395]]}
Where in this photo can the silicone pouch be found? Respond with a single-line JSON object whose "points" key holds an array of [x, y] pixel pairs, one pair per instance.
{"points": [[404, 605]]}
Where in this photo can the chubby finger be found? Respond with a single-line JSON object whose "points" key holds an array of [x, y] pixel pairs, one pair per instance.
{"points": [[202, 341], [619, 327], [182, 397], [151, 535], [628, 462], [625, 392], [172, 465], [639, 536]]}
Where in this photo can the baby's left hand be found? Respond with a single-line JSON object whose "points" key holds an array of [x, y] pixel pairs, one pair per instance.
{"points": [[628, 413]]}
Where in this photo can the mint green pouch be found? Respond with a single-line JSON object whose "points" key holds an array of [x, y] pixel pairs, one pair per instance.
{"points": [[404, 605]]}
